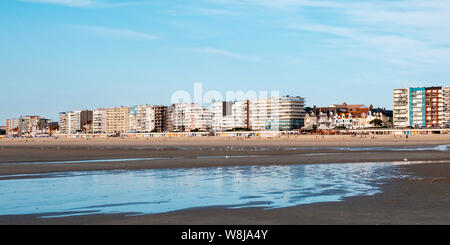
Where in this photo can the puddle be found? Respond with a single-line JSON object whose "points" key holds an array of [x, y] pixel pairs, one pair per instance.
{"points": [[405, 148], [164, 190]]}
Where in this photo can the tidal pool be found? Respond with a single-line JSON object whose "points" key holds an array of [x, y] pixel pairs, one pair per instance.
{"points": [[163, 190]]}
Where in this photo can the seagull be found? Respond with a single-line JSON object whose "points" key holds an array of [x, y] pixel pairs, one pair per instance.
{"points": [[404, 159], [227, 156]]}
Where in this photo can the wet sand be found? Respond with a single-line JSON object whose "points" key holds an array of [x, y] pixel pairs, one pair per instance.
{"points": [[403, 201]]}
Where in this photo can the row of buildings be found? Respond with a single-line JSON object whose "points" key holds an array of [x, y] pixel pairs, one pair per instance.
{"points": [[344, 116], [30, 125], [282, 113], [423, 107]]}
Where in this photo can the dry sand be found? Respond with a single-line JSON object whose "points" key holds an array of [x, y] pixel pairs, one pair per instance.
{"points": [[403, 201]]}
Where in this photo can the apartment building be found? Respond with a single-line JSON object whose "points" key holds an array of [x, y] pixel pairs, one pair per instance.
{"points": [[12, 126], [63, 123], [446, 104], [159, 117], [421, 107], [72, 122], [140, 119], [282, 113], [99, 120], [117, 119], [190, 117], [30, 125], [401, 108], [230, 115]]}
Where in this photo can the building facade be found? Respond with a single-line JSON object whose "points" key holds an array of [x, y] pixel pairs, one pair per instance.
{"points": [[421, 107], [281, 113], [117, 119], [230, 115], [189, 117], [99, 121]]}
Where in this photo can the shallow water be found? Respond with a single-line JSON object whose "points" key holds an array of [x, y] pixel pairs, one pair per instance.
{"points": [[163, 190]]}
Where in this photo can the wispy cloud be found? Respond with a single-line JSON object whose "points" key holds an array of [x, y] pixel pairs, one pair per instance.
{"points": [[89, 3], [118, 32], [398, 32], [228, 54], [70, 3]]}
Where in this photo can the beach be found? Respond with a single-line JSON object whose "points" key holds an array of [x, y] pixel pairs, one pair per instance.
{"points": [[420, 198]]}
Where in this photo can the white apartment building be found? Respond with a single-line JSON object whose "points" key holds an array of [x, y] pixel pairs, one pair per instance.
{"points": [[229, 115], [69, 122], [282, 113], [141, 119], [446, 106], [73, 122], [401, 108], [99, 120], [190, 117]]}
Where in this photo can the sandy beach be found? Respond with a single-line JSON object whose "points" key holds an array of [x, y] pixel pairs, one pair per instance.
{"points": [[423, 199]]}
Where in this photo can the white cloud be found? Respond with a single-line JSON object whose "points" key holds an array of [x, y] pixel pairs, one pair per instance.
{"points": [[70, 3], [225, 53], [117, 32], [89, 3]]}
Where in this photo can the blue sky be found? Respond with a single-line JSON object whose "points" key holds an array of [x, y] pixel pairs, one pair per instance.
{"points": [[60, 55]]}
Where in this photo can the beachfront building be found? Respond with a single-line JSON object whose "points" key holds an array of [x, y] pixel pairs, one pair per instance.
{"points": [[446, 104], [159, 118], [72, 122], [401, 108], [117, 119], [62, 122], [99, 121], [189, 117], [147, 118], [12, 126], [320, 118], [229, 116], [421, 107], [30, 126], [281, 113], [385, 116], [346, 116], [140, 119]]}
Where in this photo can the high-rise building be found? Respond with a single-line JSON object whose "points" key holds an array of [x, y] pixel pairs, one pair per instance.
{"points": [[160, 113], [99, 120], [230, 115], [421, 107], [281, 113], [63, 123], [401, 108], [117, 119], [446, 104], [189, 117], [72, 122], [12, 126]]}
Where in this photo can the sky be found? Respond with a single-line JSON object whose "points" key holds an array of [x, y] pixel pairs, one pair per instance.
{"points": [[62, 55]]}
